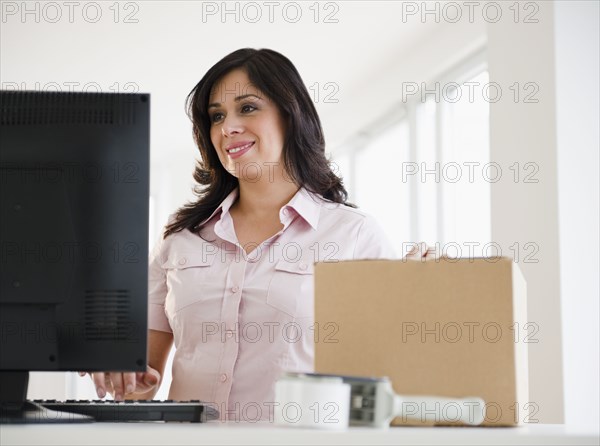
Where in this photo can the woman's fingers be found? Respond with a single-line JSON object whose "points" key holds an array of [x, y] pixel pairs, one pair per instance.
{"points": [[99, 380], [121, 384], [421, 250], [431, 252], [147, 380], [151, 377], [129, 382], [116, 379], [417, 251]]}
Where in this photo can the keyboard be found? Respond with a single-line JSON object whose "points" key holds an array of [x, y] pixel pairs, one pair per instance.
{"points": [[135, 410]]}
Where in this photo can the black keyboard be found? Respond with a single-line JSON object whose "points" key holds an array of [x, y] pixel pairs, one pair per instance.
{"points": [[135, 410]]}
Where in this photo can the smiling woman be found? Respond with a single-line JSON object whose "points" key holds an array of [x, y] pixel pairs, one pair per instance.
{"points": [[261, 87], [231, 281], [247, 130]]}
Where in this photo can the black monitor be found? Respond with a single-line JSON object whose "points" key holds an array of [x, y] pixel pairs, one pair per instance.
{"points": [[74, 202]]}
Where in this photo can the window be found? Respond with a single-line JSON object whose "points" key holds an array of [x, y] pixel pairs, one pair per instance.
{"points": [[424, 177], [378, 191], [466, 201]]}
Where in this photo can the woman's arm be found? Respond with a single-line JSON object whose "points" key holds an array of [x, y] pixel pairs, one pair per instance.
{"points": [[137, 385]]}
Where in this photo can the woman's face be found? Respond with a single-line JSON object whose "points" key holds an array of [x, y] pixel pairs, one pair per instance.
{"points": [[246, 128]]}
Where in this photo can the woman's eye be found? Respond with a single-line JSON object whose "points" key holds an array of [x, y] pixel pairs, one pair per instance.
{"points": [[216, 117], [246, 108]]}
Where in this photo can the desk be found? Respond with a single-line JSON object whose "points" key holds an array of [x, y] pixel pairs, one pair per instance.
{"points": [[264, 434]]}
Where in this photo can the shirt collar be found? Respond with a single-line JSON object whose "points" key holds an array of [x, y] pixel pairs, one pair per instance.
{"points": [[304, 203], [224, 206], [307, 205]]}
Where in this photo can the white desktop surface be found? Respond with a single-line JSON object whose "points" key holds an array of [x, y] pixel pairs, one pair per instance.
{"points": [[158, 433]]}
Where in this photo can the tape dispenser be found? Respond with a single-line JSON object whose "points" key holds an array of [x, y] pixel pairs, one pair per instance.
{"points": [[339, 401]]}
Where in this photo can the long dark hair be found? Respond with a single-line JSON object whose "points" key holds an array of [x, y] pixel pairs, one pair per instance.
{"points": [[304, 146]]}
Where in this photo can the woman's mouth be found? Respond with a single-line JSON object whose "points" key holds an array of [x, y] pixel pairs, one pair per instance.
{"points": [[239, 149]]}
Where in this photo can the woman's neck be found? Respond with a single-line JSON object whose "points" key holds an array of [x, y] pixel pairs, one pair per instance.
{"points": [[264, 198]]}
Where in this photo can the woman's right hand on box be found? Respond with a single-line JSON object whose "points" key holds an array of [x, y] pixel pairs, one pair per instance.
{"points": [[420, 251]]}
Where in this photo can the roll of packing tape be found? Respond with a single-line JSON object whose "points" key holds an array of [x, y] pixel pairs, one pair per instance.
{"points": [[308, 401]]}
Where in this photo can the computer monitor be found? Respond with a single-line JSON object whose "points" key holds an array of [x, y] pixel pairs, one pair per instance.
{"points": [[74, 202]]}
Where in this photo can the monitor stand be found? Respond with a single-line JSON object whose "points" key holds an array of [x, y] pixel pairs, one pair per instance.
{"points": [[15, 409]]}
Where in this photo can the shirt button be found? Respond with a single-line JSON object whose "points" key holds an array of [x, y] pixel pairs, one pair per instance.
{"points": [[182, 261], [235, 288], [223, 377], [303, 266]]}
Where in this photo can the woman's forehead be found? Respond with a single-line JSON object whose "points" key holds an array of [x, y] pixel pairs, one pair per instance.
{"points": [[231, 86]]}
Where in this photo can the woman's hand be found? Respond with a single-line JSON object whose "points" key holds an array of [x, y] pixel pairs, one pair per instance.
{"points": [[121, 384], [420, 251]]}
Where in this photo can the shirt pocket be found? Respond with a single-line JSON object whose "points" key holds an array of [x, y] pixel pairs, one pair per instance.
{"points": [[291, 288], [188, 277]]}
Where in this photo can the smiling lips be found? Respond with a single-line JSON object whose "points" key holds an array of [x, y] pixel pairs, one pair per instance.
{"points": [[237, 149]]}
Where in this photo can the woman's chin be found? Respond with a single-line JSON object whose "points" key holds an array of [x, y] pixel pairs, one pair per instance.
{"points": [[249, 171]]}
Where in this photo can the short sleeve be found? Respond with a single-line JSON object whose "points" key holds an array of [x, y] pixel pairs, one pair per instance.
{"points": [[157, 289], [372, 242]]}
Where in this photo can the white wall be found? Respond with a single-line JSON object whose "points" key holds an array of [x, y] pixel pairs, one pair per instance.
{"points": [[528, 212], [48, 385], [577, 111]]}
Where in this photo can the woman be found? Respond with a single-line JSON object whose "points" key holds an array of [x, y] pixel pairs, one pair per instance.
{"points": [[231, 281]]}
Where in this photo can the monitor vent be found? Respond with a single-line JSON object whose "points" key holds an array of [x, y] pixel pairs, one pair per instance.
{"points": [[107, 315], [41, 108]]}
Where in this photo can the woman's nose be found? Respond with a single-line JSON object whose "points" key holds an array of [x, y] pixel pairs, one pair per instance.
{"points": [[231, 126]]}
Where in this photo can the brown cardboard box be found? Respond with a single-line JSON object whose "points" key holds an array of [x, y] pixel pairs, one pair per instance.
{"points": [[445, 327]]}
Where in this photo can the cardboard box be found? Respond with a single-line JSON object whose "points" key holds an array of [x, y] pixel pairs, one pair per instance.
{"points": [[444, 327]]}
